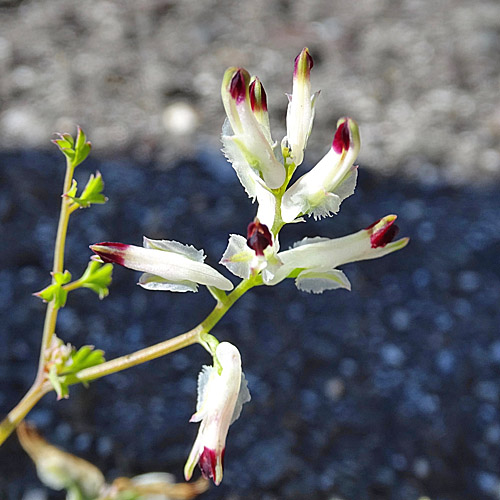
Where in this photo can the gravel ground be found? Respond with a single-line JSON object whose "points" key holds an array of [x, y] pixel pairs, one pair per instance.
{"points": [[421, 76], [387, 392]]}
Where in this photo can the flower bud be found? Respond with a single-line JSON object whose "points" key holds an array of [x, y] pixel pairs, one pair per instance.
{"points": [[248, 145], [300, 112], [220, 399], [258, 103], [167, 265], [320, 191], [313, 261]]}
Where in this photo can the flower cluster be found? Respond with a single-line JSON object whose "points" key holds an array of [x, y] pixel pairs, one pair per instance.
{"points": [[265, 168]]}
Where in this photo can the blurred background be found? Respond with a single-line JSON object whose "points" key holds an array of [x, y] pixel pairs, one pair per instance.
{"points": [[390, 391]]}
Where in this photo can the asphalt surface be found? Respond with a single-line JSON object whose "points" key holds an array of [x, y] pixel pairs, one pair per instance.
{"points": [[386, 392]]}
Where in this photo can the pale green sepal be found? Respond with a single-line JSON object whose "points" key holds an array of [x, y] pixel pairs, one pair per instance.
{"points": [[317, 280], [152, 282]]}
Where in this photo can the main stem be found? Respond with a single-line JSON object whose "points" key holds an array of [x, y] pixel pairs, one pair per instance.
{"points": [[17, 414], [58, 266], [170, 345], [41, 387]]}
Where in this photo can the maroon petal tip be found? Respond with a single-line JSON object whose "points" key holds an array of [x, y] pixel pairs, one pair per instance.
{"points": [[237, 87], [258, 237], [342, 138], [381, 237], [258, 99], [308, 60], [207, 462], [109, 251]]}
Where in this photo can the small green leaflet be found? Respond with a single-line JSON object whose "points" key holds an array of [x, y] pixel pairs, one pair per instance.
{"points": [[76, 151], [55, 291], [97, 277], [92, 193], [62, 377]]}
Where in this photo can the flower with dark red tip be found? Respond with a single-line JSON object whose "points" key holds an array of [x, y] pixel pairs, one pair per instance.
{"points": [[247, 140], [383, 231], [320, 191], [300, 112], [167, 265], [313, 262], [221, 395]]}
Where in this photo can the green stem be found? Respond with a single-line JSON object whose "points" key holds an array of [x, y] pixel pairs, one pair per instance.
{"points": [[58, 265], [62, 226], [170, 345], [17, 414]]}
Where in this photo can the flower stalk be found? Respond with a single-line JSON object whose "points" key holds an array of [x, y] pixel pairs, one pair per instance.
{"points": [[171, 345]]}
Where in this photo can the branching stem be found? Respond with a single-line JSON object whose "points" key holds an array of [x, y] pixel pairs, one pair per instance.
{"points": [[170, 345]]}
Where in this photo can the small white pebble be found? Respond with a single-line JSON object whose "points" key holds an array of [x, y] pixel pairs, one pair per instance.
{"points": [[180, 119]]}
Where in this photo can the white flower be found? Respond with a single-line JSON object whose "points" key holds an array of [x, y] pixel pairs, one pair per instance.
{"points": [[313, 262], [300, 111], [220, 400], [246, 135], [320, 191], [257, 253], [167, 265]]}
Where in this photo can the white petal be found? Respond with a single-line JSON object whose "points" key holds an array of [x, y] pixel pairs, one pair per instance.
{"points": [[243, 397], [254, 152], [173, 267], [238, 257], [246, 175], [320, 191], [267, 204], [308, 240], [317, 280], [332, 253], [203, 384], [188, 251]]}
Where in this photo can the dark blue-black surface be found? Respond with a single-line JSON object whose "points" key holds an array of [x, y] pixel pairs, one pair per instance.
{"points": [[390, 391]]}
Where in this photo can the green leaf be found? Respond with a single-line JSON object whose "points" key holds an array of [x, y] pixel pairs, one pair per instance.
{"points": [[72, 190], [85, 357], [97, 277], [61, 375], [82, 147], [92, 193], [58, 383], [75, 150], [55, 291]]}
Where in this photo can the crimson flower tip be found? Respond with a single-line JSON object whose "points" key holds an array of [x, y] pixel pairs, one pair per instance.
{"points": [[258, 237], [110, 252], [303, 58], [341, 139], [383, 231], [258, 97], [237, 87]]}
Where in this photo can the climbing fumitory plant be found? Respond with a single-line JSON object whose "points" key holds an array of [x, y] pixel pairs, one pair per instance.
{"points": [[269, 173]]}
